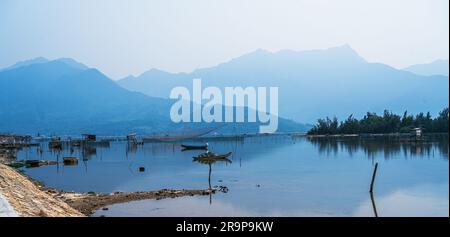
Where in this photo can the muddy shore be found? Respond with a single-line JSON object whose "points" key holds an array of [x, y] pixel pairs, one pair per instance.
{"points": [[87, 203], [31, 199]]}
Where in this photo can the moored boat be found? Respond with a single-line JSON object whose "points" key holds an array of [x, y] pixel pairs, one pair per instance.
{"points": [[211, 157], [195, 147]]}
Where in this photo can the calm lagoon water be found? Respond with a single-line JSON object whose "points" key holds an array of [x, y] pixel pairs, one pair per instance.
{"points": [[268, 176]]}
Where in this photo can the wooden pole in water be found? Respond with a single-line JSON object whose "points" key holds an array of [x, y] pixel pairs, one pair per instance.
{"points": [[209, 178], [373, 205], [373, 177]]}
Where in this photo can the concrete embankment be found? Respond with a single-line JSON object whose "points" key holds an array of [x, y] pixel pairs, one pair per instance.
{"points": [[6, 209]]}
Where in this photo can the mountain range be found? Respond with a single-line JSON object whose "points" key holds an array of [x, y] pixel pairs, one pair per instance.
{"points": [[66, 97], [313, 84]]}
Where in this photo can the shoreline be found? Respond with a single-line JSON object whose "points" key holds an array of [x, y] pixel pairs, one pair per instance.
{"points": [[29, 198], [372, 135]]}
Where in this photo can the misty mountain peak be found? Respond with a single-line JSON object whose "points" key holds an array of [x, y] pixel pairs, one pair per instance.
{"points": [[344, 49], [73, 63], [41, 60], [153, 72], [26, 63], [344, 52], [260, 52], [341, 55]]}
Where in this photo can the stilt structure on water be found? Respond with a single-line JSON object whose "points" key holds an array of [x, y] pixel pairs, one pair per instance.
{"points": [[180, 135]]}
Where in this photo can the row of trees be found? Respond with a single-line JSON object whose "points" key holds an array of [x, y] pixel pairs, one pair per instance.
{"points": [[387, 123]]}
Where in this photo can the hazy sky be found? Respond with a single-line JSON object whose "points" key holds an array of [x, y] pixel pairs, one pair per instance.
{"points": [[130, 37]]}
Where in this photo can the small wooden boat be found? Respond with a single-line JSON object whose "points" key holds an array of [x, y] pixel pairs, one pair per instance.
{"points": [[209, 157], [194, 147]]}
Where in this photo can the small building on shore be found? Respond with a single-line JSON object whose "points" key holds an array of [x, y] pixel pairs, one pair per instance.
{"points": [[416, 132], [131, 138]]}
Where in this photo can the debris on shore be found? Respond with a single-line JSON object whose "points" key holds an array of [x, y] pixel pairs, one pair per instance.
{"points": [[88, 203]]}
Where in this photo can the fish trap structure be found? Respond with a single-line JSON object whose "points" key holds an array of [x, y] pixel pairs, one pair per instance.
{"points": [[180, 135]]}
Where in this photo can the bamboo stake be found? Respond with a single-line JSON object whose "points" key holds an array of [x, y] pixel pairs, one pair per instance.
{"points": [[373, 177], [374, 207]]}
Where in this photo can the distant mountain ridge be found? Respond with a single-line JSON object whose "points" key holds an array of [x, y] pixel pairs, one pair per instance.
{"points": [[312, 84], [66, 97], [26, 63], [437, 67]]}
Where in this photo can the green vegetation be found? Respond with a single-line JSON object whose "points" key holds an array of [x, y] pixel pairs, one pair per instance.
{"points": [[387, 123]]}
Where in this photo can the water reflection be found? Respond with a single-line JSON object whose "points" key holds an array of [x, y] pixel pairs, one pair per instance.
{"points": [[88, 152], [420, 200], [387, 148], [417, 201], [374, 206], [209, 159], [269, 175], [175, 208]]}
